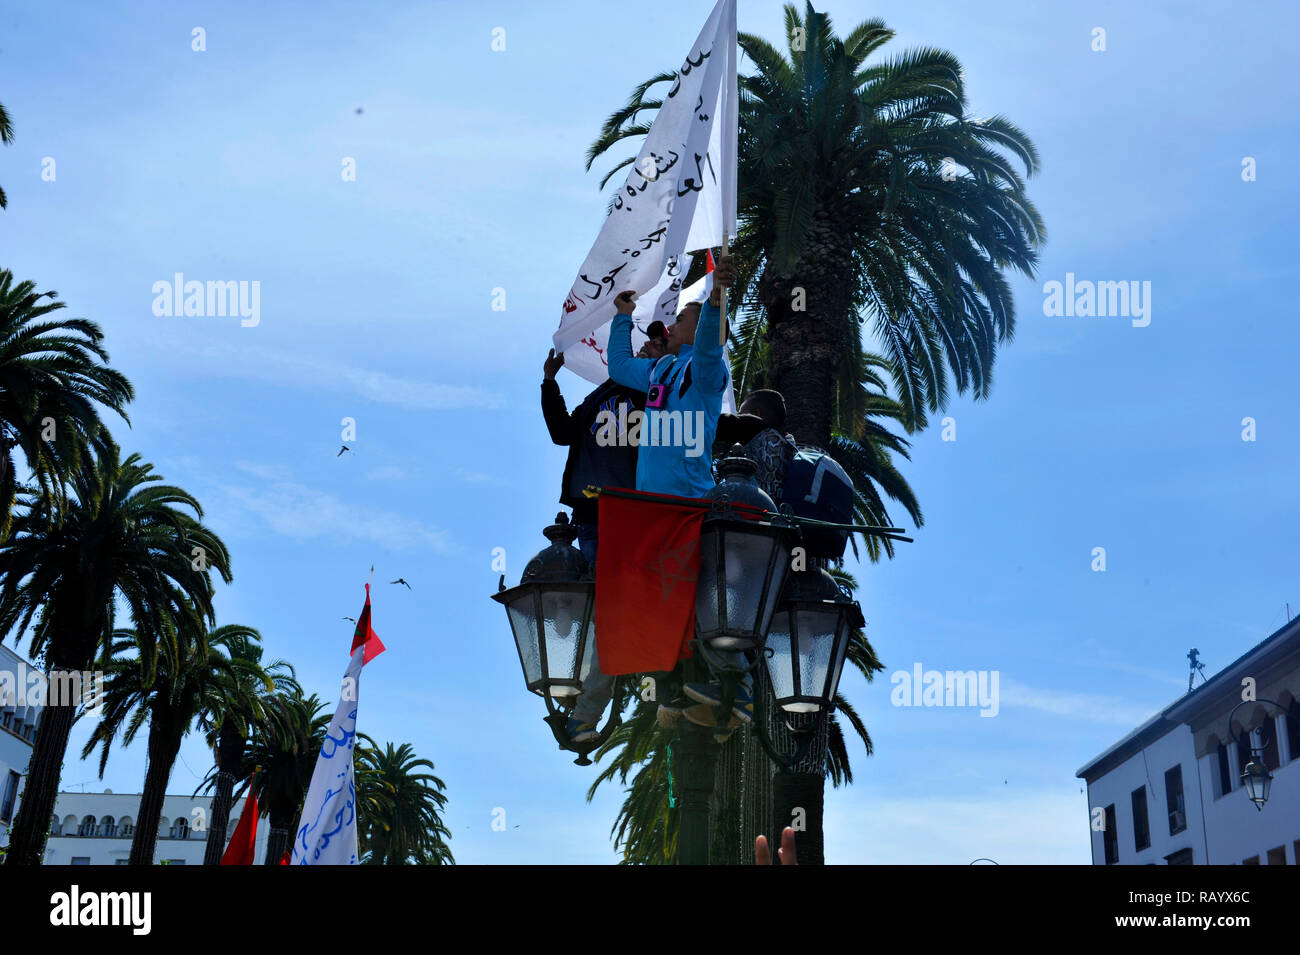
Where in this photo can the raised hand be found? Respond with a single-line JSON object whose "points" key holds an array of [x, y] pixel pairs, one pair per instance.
{"points": [[625, 304], [763, 855], [553, 364]]}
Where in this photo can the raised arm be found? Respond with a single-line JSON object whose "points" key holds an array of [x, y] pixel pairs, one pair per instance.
{"points": [[708, 363], [623, 367], [561, 424]]}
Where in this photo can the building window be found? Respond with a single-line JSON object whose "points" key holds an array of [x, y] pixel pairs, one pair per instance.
{"points": [[1268, 730], [1111, 836], [1293, 729], [108, 827], [1141, 825], [1243, 752], [1181, 857], [1277, 856], [1225, 770], [1174, 800], [8, 718], [10, 795], [87, 827], [180, 828], [81, 860]]}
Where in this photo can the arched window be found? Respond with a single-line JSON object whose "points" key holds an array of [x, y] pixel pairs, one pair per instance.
{"points": [[87, 827], [1293, 730], [56, 826], [180, 828], [125, 827], [69, 827], [108, 827]]}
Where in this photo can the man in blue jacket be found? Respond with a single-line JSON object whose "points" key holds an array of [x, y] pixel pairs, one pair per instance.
{"points": [[684, 392]]}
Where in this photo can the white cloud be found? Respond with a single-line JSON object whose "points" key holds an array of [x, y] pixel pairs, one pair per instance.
{"points": [[475, 478], [315, 374], [388, 472], [1086, 706], [303, 513], [1035, 828]]}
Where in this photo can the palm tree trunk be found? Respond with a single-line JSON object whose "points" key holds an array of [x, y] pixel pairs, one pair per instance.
{"points": [[803, 365], [32, 827], [277, 841], [218, 823], [811, 320], [230, 747], [799, 795], [163, 747]]}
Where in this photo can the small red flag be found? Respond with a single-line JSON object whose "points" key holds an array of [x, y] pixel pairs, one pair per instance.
{"points": [[284, 859], [244, 841], [365, 636], [647, 568]]}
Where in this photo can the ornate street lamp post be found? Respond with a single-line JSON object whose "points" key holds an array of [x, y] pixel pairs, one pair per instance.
{"points": [[744, 561], [806, 647], [1256, 780], [808, 640], [552, 617]]}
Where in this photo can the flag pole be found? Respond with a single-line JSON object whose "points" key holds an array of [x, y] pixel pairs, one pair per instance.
{"points": [[722, 302]]}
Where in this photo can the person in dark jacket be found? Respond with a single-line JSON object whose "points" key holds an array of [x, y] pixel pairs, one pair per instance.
{"points": [[592, 463]]}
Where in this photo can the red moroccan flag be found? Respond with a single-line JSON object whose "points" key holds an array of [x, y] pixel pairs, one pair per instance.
{"points": [[647, 567], [365, 636], [244, 841]]}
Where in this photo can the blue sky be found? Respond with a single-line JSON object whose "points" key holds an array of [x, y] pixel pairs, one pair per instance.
{"points": [[376, 304]]}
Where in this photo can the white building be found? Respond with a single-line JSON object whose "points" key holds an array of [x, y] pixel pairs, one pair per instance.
{"points": [[96, 829], [1171, 792], [17, 731]]}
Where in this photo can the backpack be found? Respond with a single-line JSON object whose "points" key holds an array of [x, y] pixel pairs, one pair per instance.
{"points": [[817, 487]]}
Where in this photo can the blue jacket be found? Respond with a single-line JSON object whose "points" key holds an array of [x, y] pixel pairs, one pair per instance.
{"points": [[675, 447]]}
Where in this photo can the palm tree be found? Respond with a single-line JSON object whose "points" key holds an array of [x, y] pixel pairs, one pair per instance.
{"points": [[200, 671], [284, 743], [228, 723], [6, 137], [398, 808], [645, 827], [119, 535], [866, 191], [53, 373]]}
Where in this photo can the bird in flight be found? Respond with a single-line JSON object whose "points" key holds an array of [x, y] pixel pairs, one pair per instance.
{"points": [[401, 580], [353, 619], [341, 450]]}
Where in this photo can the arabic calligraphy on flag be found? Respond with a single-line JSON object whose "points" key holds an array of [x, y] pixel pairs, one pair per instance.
{"points": [[679, 196]]}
